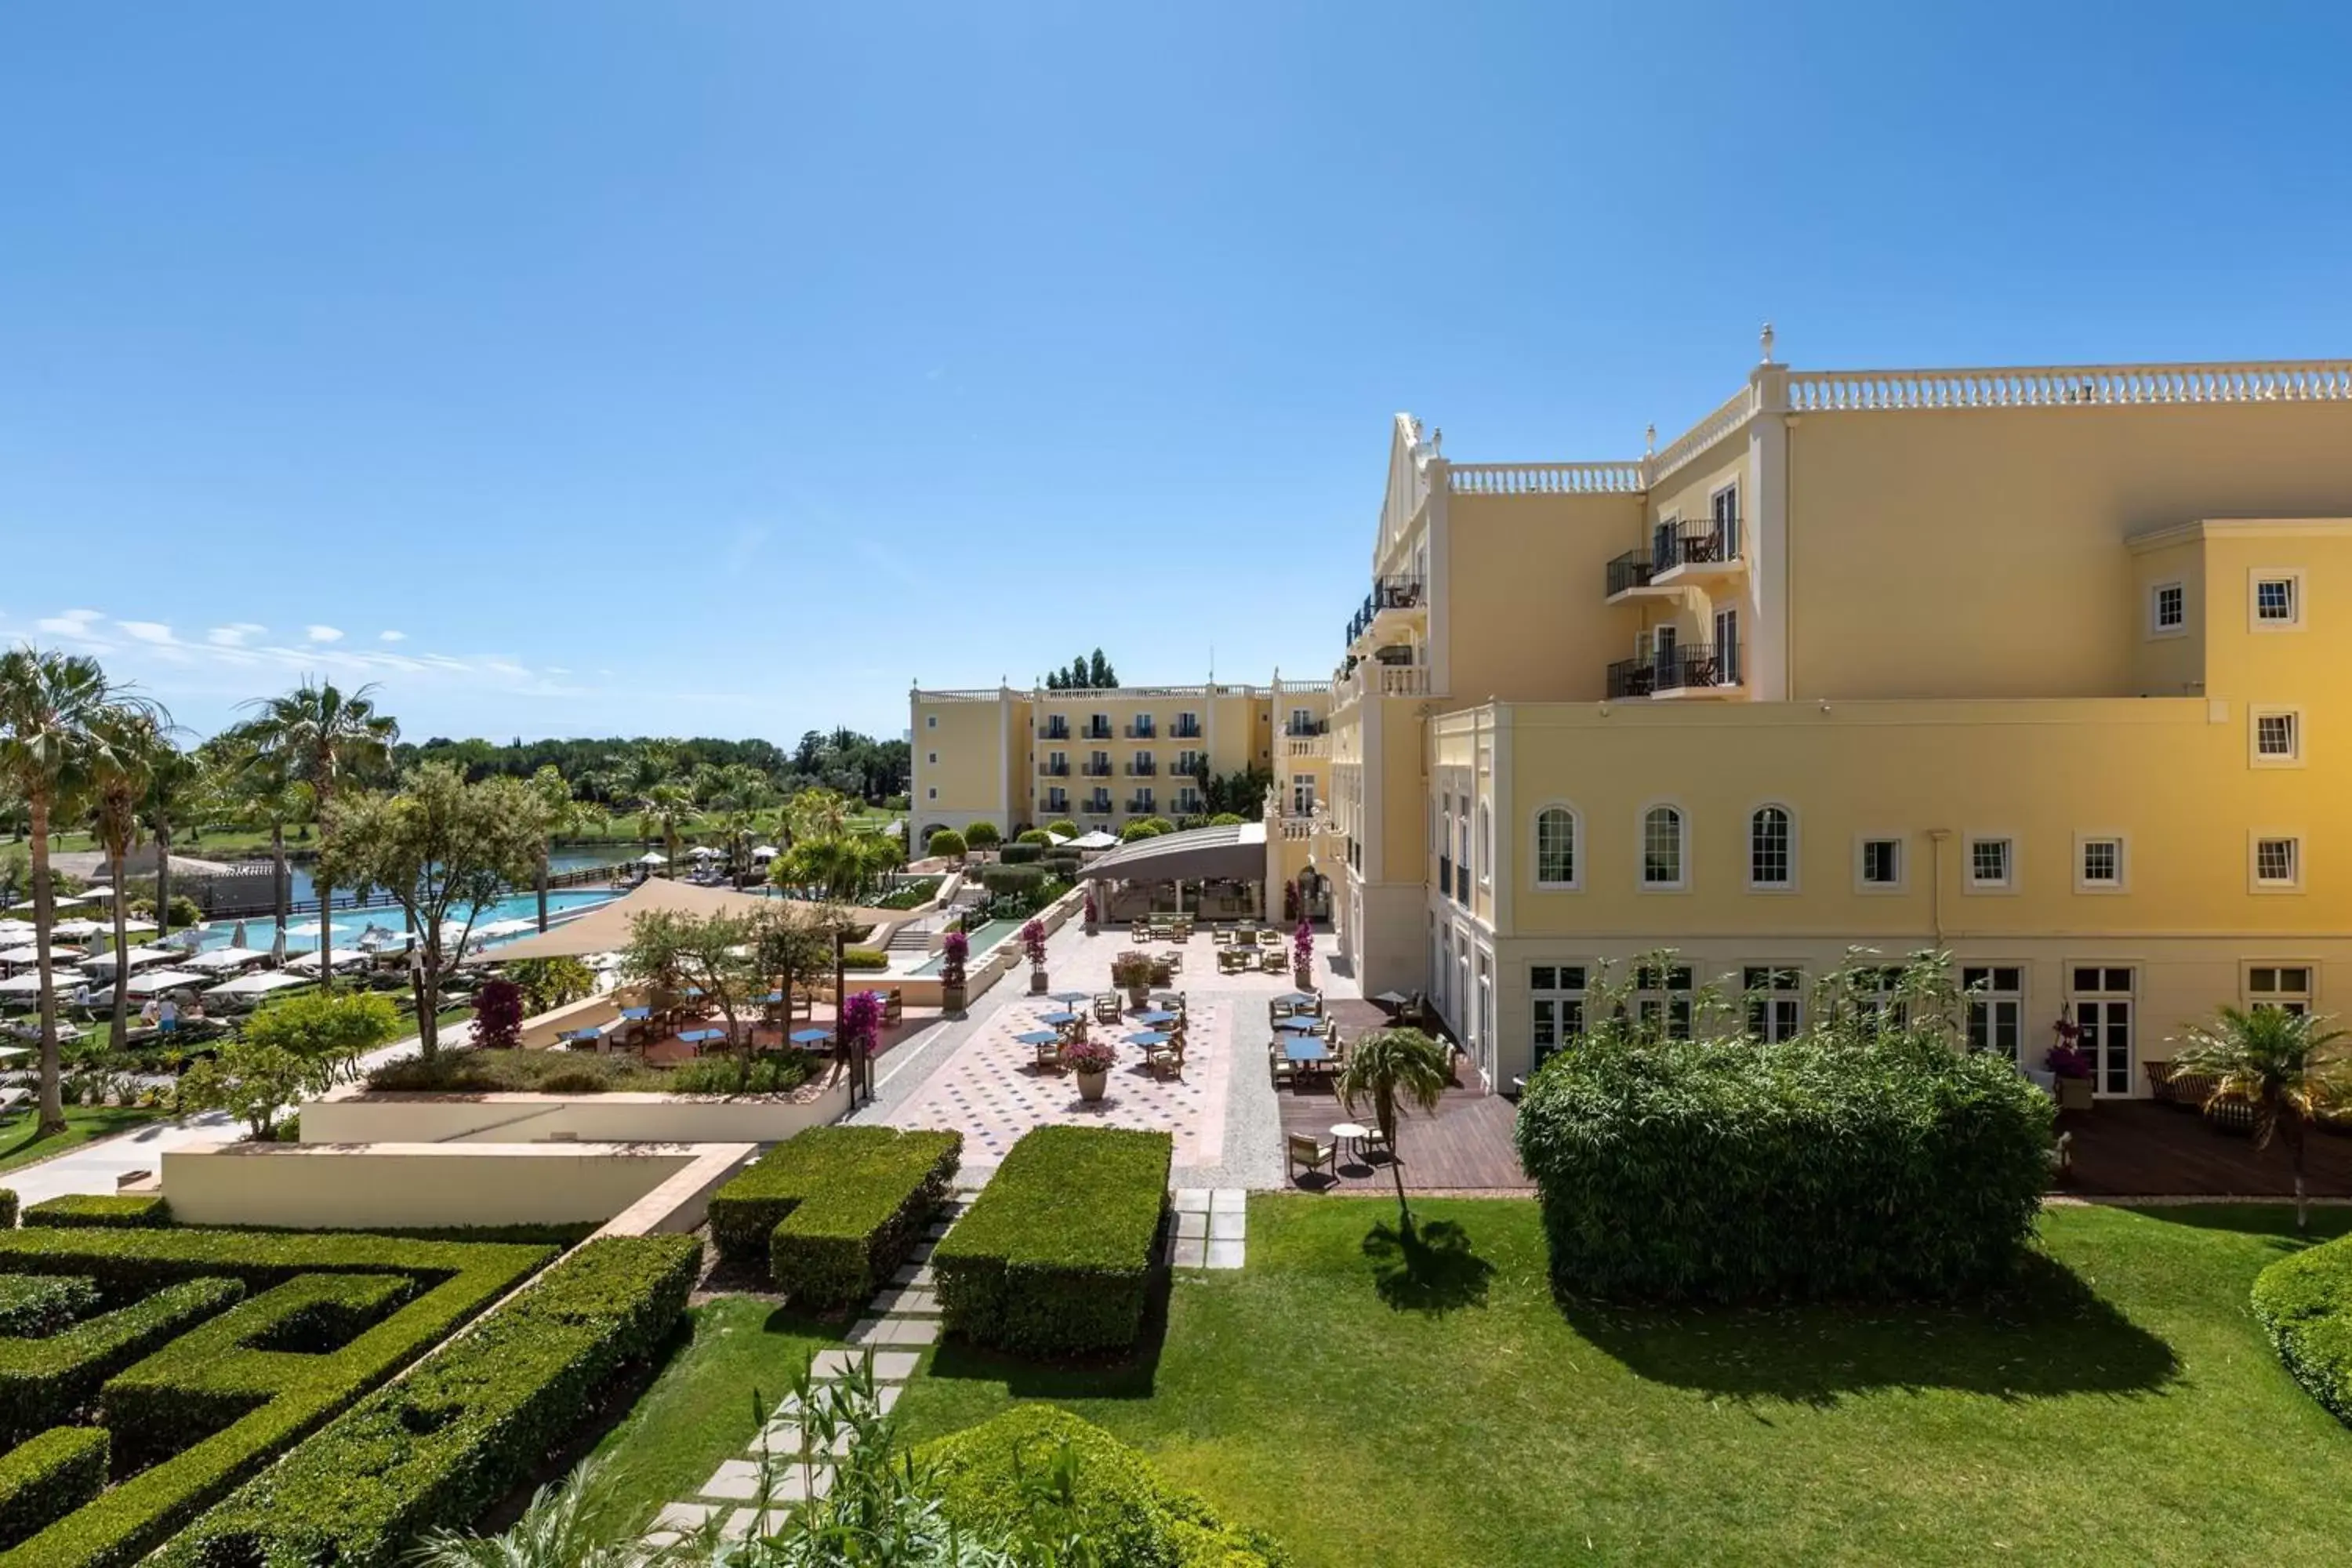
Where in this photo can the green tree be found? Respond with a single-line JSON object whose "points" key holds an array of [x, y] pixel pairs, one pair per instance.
{"points": [[947, 843], [55, 710], [176, 788], [325, 739], [332, 1031], [717, 952], [551, 982], [564, 813], [1391, 1068], [983, 836], [2288, 1066], [252, 1083], [258, 790], [438, 845], [663, 809], [121, 773]]}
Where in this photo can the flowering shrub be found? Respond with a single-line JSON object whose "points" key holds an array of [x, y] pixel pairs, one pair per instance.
{"points": [[953, 950], [1130, 969], [1302, 946], [498, 1015], [1084, 1055], [2067, 1059], [1032, 942], [861, 1021]]}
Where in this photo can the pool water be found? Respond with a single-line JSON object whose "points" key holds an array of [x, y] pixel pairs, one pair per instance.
{"points": [[302, 935], [986, 937]]}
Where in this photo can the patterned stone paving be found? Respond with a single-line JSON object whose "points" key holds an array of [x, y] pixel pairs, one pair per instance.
{"points": [[992, 1089]]}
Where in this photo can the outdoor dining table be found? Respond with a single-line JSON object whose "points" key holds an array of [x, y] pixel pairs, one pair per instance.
{"points": [[636, 1015], [700, 1037], [1058, 1018], [770, 999], [1298, 1026], [1149, 1039], [1071, 998], [805, 1038], [1039, 1037], [1157, 1015], [1296, 999], [1307, 1048]]}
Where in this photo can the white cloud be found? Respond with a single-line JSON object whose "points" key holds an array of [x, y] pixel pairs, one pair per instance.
{"points": [[323, 634], [149, 632], [76, 625], [392, 636], [236, 634]]}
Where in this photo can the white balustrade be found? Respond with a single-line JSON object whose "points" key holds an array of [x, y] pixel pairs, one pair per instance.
{"points": [[1735, 412], [2058, 386], [1544, 479]]}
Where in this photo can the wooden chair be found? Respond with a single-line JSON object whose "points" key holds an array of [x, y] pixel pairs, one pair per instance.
{"points": [[894, 1006], [1167, 1060], [1283, 1070], [1306, 1149], [1107, 1006], [1270, 960], [1220, 936], [1175, 961]]}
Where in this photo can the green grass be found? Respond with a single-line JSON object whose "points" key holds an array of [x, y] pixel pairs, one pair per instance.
{"points": [[84, 1124], [700, 1410], [1369, 1405]]}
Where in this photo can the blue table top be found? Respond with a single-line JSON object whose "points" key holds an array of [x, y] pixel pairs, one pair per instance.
{"points": [[810, 1036], [1306, 1048], [697, 1037], [1060, 1018], [1297, 999], [1070, 995], [1158, 1016], [1298, 1026], [1038, 1038], [636, 1012], [771, 998], [1149, 1038]]}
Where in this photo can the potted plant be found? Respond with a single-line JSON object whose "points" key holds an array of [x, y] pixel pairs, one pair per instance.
{"points": [[1092, 1060], [953, 950], [1302, 956], [1131, 972], [1090, 910], [1033, 944], [2070, 1066]]}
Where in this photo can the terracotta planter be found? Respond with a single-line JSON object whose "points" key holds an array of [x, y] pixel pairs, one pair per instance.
{"points": [[2073, 1094], [1092, 1084], [1036, 982], [1135, 994]]}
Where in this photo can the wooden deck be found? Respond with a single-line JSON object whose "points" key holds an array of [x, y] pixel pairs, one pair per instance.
{"points": [[1466, 1147], [2138, 1148]]}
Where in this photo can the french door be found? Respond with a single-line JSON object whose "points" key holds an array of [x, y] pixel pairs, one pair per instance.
{"points": [[2102, 1000]]}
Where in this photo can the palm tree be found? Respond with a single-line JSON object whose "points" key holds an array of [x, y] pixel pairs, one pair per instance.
{"points": [[258, 791], [664, 808], [565, 813], [54, 708], [1388, 1067], [2287, 1066], [122, 772], [175, 783], [326, 740]]}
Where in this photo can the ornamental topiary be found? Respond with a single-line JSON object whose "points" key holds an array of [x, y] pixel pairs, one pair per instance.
{"points": [[947, 843], [2303, 1303], [1062, 828], [983, 836], [1037, 835]]}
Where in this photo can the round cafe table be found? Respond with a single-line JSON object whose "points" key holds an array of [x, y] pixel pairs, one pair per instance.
{"points": [[1353, 1135]]}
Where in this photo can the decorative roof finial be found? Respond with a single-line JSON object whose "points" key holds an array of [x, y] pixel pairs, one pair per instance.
{"points": [[1438, 439], [1650, 441], [1766, 337]]}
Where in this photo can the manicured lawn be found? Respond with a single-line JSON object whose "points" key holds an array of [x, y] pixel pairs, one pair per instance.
{"points": [[2120, 1406], [83, 1124], [700, 1409]]}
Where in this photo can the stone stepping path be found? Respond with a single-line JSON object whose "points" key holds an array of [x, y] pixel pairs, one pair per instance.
{"points": [[903, 1318]]}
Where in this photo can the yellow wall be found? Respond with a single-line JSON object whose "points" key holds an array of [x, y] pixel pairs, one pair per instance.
{"points": [[979, 751], [1526, 575], [1979, 553]]}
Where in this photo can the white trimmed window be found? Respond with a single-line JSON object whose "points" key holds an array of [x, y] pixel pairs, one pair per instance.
{"points": [[1878, 865], [1556, 849], [2275, 600], [2285, 987], [2099, 863], [1776, 1000], [1995, 1003], [1556, 1001], [2167, 610], [1663, 998], [1991, 864], [2278, 736], [1664, 851], [2278, 861], [1771, 848]]}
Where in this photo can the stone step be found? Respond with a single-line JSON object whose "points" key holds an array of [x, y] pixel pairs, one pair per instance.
{"points": [[910, 1302], [889, 1366], [885, 1399], [783, 1444], [895, 1332], [918, 1274]]}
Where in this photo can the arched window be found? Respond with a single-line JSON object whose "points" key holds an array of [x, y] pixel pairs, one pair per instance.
{"points": [[1554, 847], [1771, 848], [1662, 848]]}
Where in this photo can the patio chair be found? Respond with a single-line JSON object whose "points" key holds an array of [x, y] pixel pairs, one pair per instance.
{"points": [[1270, 960], [1220, 936], [1306, 1149], [1232, 961], [1280, 1067], [1167, 1060], [1277, 1010], [1107, 1006], [1175, 961], [894, 1006]]}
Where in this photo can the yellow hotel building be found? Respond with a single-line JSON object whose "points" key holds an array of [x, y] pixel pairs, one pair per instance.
{"points": [[2043, 667]]}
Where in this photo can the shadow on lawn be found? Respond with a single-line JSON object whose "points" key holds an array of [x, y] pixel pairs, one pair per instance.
{"points": [[1426, 1267], [2047, 1336]]}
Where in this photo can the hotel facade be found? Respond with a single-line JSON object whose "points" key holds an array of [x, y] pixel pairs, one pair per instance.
{"points": [[2042, 668]]}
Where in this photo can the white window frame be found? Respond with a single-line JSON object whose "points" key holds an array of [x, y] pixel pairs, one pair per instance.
{"points": [[1988, 997], [2155, 592], [2255, 881], [1715, 521], [2255, 755], [1575, 883], [2083, 841], [1861, 883], [1772, 995], [931, 760], [1681, 880], [2303, 1000], [930, 720], [1561, 998], [1674, 1005], [1787, 884], [1970, 882], [2293, 577]]}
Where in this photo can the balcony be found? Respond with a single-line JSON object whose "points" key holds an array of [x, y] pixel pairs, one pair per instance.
{"points": [[1098, 769], [1052, 770], [1186, 729], [1313, 727], [1392, 593], [1630, 578], [1688, 553], [1095, 729], [1139, 806], [1306, 745], [1142, 768], [1377, 677], [1144, 730], [1686, 670], [1097, 805], [1056, 801], [1058, 729]]}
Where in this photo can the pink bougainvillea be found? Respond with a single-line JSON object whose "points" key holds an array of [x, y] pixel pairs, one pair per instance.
{"points": [[861, 1021], [1032, 942], [953, 950], [1302, 946]]}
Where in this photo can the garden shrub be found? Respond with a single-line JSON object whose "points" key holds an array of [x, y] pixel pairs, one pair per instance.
{"points": [[116, 1210], [468, 1426], [1012, 880], [7, 1208], [45, 1381], [768, 1074], [1056, 1256], [1227, 819], [1129, 1514], [1726, 1169], [2303, 1303], [498, 1015], [33, 1306], [48, 1477], [945, 843], [983, 836], [836, 1210], [864, 959], [1020, 853], [911, 895], [517, 1072], [1063, 827], [245, 1404], [1037, 835]]}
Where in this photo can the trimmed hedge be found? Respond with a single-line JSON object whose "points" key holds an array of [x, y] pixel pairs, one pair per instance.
{"points": [[1056, 1256], [467, 1427], [118, 1210], [45, 1381], [1132, 1517], [33, 1306], [860, 958], [1012, 879], [836, 1210], [44, 1480], [1023, 853], [1732, 1170], [7, 1208], [268, 1399], [2303, 1303]]}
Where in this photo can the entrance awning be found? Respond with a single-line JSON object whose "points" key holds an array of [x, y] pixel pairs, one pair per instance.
{"points": [[1231, 854]]}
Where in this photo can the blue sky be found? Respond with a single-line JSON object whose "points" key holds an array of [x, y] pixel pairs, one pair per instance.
{"points": [[717, 369]]}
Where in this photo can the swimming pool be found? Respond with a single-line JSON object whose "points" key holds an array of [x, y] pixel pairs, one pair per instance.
{"points": [[350, 925], [987, 936]]}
